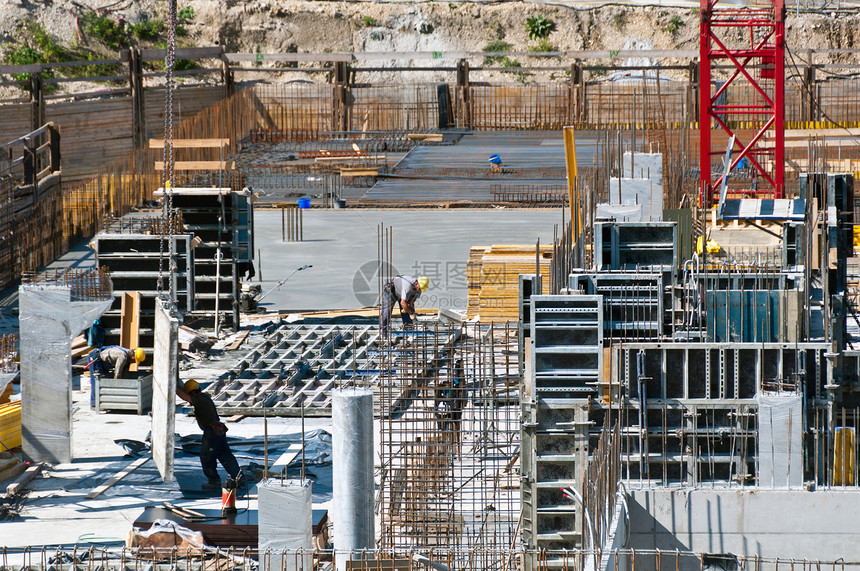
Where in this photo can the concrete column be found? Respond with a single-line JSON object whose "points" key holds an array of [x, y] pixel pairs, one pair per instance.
{"points": [[49, 319], [352, 450], [165, 372]]}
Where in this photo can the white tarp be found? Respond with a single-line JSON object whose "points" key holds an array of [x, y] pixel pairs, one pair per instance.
{"points": [[619, 212], [638, 191], [780, 428], [285, 531]]}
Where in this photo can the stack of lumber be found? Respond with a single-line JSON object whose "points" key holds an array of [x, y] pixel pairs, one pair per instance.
{"points": [[473, 279], [10, 425], [493, 281]]}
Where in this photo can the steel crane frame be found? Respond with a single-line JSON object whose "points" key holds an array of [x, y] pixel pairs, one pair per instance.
{"points": [[765, 29]]}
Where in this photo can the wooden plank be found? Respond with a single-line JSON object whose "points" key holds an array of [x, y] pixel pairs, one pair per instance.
{"points": [[429, 137], [348, 159], [803, 133], [190, 143], [240, 338], [354, 172], [285, 459], [21, 481], [198, 165], [129, 335], [183, 53], [13, 471], [99, 490]]}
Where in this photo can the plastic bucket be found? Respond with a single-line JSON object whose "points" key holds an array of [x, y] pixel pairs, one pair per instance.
{"points": [[304, 203]]}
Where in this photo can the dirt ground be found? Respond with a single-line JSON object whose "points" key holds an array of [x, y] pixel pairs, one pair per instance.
{"points": [[306, 26]]}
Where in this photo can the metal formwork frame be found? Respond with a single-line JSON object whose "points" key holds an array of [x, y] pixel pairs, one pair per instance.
{"points": [[765, 28]]}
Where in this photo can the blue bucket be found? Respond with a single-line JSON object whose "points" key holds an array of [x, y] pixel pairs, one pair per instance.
{"points": [[495, 159], [304, 203]]}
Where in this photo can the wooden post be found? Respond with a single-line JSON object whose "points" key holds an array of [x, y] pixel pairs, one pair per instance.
{"points": [[342, 100], [138, 110], [464, 115], [810, 109], [54, 140], [37, 101], [227, 77], [576, 89], [693, 92]]}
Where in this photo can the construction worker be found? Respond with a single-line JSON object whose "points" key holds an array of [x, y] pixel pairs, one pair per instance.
{"points": [[114, 357], [213, 447], [402, 291]]}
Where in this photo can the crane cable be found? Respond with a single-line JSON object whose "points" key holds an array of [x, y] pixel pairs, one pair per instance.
{"points": [[168, 215]]}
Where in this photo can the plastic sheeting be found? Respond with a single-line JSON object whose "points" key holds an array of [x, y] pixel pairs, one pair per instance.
{"points": [[780, 453], [620, 212], [285, 516], [640, 191], [49, 319], [352, 447], [181, 535]]}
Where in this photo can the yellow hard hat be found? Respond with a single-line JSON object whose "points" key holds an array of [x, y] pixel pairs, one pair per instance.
{"points": [[191, 385], [139, 355], [423, 283]]}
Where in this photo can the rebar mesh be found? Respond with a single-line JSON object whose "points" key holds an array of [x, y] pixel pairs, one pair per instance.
{"points": [[449, 447]]}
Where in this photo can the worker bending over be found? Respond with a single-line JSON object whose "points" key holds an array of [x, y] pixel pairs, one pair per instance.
{"points": [[402, 291], [114, 357], [214, 447]]}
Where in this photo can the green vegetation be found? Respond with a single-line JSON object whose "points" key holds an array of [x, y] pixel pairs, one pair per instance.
{"points": [[495, 30], [148, 30], [44, 49], [185, 14], [104, 29], [377, 36], [497, 46], [620, 20], [544, 45], [503, 61], [24, 55], [539, 27], [425, 28], [368, 21], [675, 22]]}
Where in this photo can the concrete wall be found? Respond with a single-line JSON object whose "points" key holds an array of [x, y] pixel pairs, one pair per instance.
{"points": [[820, 525], [49, 319], [165, 372]]}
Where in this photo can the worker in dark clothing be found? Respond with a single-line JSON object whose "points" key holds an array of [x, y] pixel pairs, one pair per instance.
{"points": [[402, 291], [214, 447], [114, 357]]}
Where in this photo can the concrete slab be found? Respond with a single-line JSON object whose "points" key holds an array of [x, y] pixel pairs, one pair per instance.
{"points": [[341, 245], [55, 510]]}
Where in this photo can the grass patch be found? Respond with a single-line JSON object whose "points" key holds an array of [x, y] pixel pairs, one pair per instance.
{"points": [[368, 21], [543, 46], [620, 20], [149, 30], [497, 46]]}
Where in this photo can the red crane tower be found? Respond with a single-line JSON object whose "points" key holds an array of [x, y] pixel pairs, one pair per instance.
{"points": [[760, 64]]}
